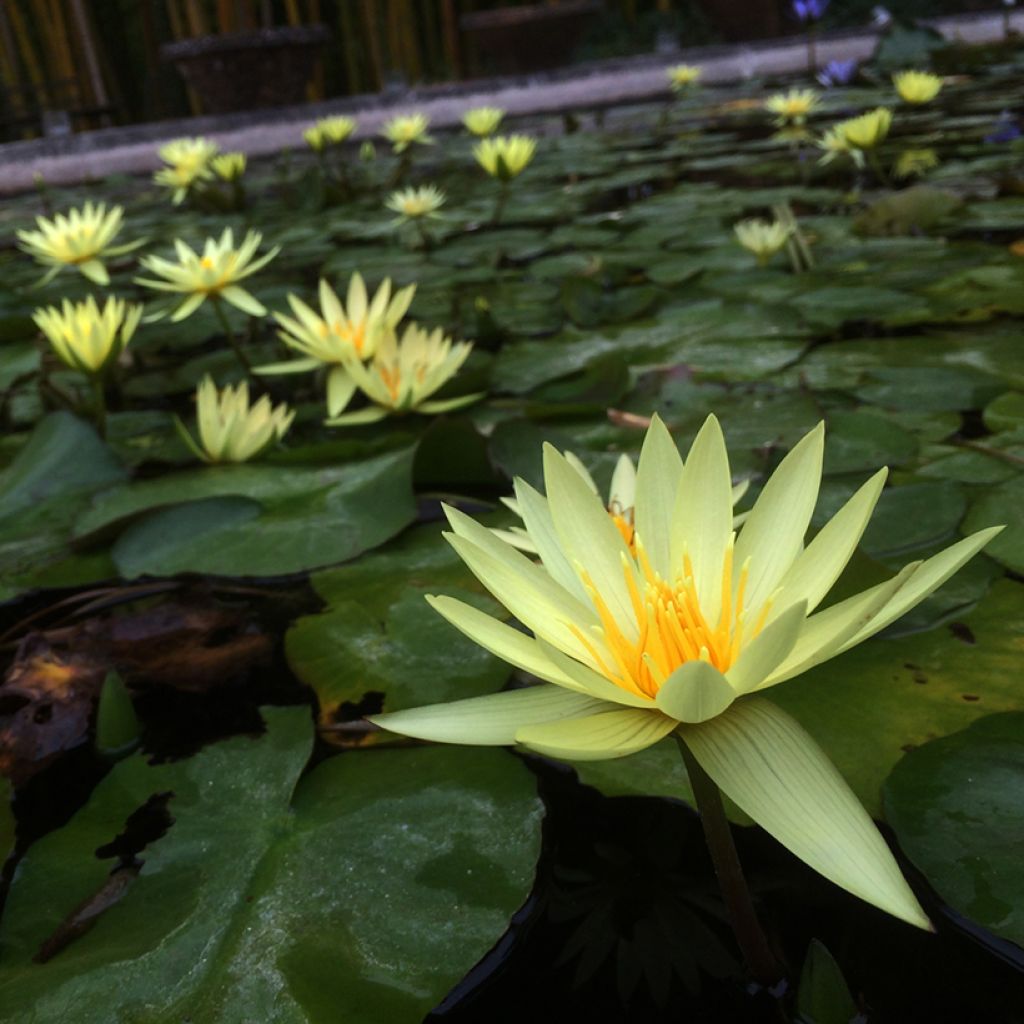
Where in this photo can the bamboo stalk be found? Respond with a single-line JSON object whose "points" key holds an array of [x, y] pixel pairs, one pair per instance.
{"points": [[27, 51], [227, 11], [450, 35], [87, 40], [291, 10], [10, 70], [177, 20], [65, 70], [394, 35], [196, 18], [372, 30], [410, 51], [347, 29]]}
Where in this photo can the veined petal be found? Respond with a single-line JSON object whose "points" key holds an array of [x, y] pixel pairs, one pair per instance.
{"points": [[188, 307], [596, 737], [588, 681], [826, 633], [95, 271], [658, 476], [622, 495], [930, 575], [371, 414], [437, 406], [526, 589], [533, 508], [768, 649], [588, 536], [820, 564], [702, 516], [493, 720], [773, 534], [695, 692], [243, 300], [340, 389], [504, 641], [771, 767]]}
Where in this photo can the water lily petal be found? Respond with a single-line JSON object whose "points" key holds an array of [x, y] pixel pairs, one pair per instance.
{"points": [[243, 300], [658, 474], [588, 536], [492, 720], [768, 649], [95, 272], [589, 681], [695, 692], [622, 495], [773, 535], [702, 516], [815, 570], [771, 767], [596, 737], [188, 307], [825, 633], [371, 414], [504, 641], [533, 508], [930, 575], [340, 389]]}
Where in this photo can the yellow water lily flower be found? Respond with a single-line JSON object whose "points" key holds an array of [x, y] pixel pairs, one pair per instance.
{"points": [[868, 130], [483, 121], [213, 275], [342, 334], [917, 86], [793, 107], [505, 156], [682, 76], [403, 374], [329, 131], [621, 504], [228, 166], [230, 430], [686, 635], [188, 162], [835, 144], [79, 239], [764, 240], [85, 337], [405, 129], [414, 203]]}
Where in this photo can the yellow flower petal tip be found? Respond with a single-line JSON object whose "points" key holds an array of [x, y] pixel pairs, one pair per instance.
{"points": [[406, 130], [483, 121], [231, 429], [917, 87], [416, 203], [505, 156], [84, 336], [682, 76]]}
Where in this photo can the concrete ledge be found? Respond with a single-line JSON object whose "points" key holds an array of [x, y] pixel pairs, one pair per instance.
{"points": [[132, 150]]}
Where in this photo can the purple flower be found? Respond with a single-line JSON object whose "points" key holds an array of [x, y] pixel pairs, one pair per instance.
{"points": [[809, 10], [1006, 129], [837, 72]]}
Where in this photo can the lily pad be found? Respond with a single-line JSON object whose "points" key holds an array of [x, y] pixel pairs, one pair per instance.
{"points": [[274, 894], [957, 807]]}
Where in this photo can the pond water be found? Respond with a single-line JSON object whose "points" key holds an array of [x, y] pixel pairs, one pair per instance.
{"points": [[227, 839]]}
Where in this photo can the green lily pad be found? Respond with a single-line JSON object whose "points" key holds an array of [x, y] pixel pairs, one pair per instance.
{"points": [[957, 807], [253, 520], [1002, 505], [367, 888]]}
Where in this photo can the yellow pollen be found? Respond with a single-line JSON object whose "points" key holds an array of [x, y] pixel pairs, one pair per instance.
{"points": [[624, 524], [670, 627], [392, 378], [206, 263]]}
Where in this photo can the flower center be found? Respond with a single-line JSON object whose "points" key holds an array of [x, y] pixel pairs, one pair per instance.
{"points": [[671, 628]]}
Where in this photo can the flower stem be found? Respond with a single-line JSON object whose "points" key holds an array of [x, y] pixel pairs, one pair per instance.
{"points": [[99, 404], [243, 359], [876, 166], [760, 960], [499, 205]]}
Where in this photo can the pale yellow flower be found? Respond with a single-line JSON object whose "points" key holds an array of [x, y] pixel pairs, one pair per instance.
{"points": [[342, 333], [230, 430], [213, 275], [682, 76], [79, 239], [761, 238], [85, 337], [835, 144], [794, 106], [917, 86], [685, 634], [868, 130], [414, 203], [505, 156], [483, 121], [405, 129], [329, 131], [228, 166], [188, 162], [403, 375]]}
